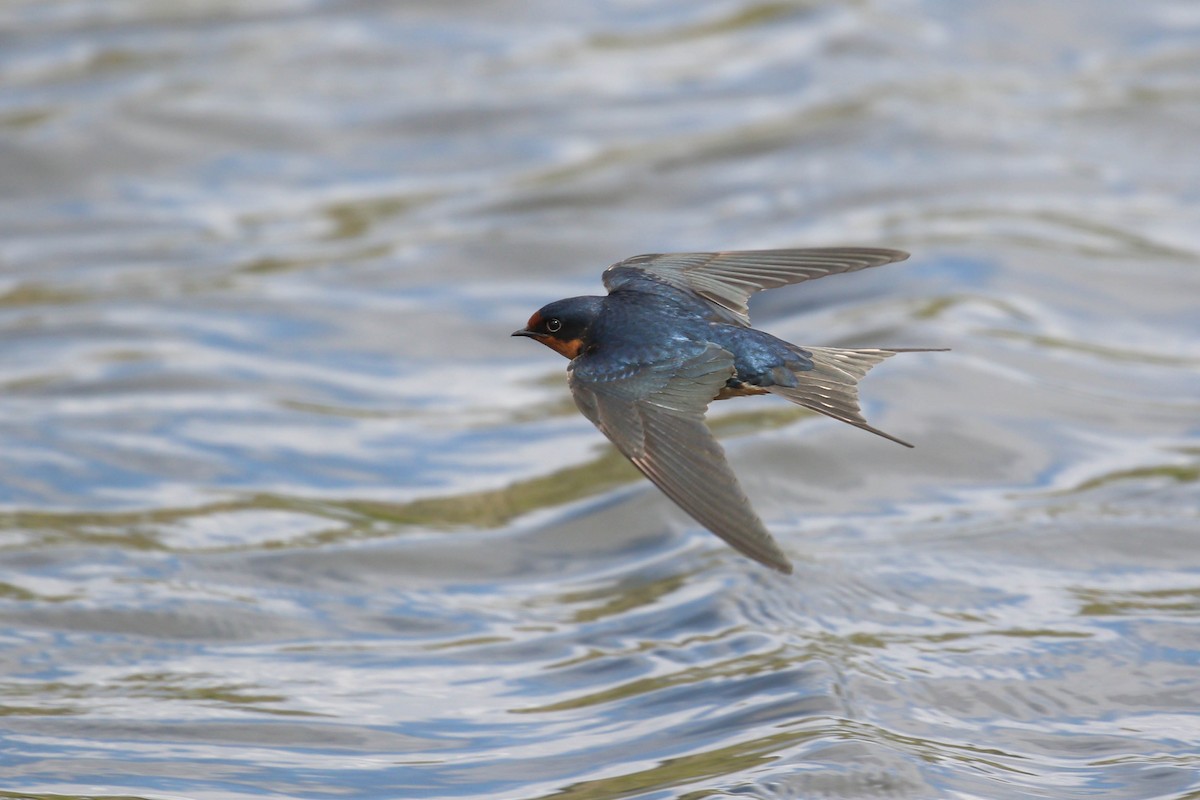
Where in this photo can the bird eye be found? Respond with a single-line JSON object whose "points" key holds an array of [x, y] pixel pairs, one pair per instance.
{"points": [[554, 325]]}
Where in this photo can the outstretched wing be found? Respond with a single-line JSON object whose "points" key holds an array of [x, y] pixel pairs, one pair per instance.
{"points": [[655, 417], [727, 279]]}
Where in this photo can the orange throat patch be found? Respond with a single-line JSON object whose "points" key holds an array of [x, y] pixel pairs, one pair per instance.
{"points": [[570, 348]]}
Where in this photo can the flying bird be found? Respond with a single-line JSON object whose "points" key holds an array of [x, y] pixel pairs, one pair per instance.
{"points": [[672, 335]]}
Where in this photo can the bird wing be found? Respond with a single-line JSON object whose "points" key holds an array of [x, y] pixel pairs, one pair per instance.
{"points": [[727, 279], [655, 417]]}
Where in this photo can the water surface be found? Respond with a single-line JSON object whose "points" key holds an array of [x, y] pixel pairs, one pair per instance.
{"points": [[286, 513]]}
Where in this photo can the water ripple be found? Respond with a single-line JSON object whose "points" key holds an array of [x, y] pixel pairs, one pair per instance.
{"points": [[285, 512]]}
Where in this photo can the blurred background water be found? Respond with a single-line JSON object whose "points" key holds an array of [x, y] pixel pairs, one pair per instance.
{"points": [[286, 513]]}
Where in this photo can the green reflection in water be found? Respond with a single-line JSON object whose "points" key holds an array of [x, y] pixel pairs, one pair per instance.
{"points": [[354, 218], [494, 508], [1181, 602], [26, 118], [1134, 243], [685, 151], [1063, 233], [742, 18], [716, 763], [468, 643], [1180, 473], [267, 265], [773, 661], [36, 294], [936, 306], [57, 697], [37, 711], [682, 643], [325, 410], [934, 751], [10, 591], [42, 796], [617, 599], [169, 686], [1091, 349], [361, 519]]}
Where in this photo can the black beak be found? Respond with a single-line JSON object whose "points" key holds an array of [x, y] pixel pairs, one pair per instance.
{"points": [[526, 332]]}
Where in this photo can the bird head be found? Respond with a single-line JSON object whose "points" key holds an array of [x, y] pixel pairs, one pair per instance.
{"points": [[562, 325]]}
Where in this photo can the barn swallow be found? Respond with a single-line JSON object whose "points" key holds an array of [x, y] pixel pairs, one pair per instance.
{"points": [[672, 335]]}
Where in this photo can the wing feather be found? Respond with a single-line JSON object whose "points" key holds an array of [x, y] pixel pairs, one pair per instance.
{"points": [[656, 419], [727, 279]]}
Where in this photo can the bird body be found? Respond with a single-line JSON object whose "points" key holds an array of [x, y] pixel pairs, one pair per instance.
{"points": [[672, 335]]}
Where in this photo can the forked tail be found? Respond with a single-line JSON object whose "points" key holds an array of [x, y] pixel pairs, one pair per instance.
{"points": [[831, 386]]}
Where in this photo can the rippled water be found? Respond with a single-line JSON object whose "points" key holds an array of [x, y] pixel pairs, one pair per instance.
{"points": [[286, 513]]}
